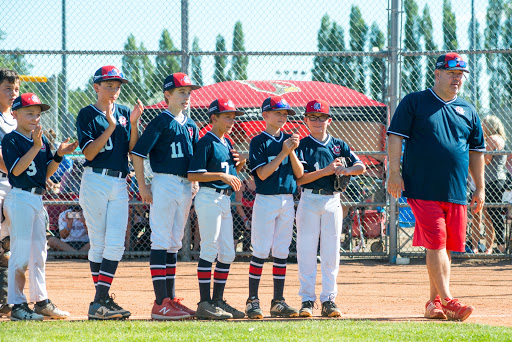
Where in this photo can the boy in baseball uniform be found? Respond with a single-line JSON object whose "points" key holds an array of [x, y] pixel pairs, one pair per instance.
{"points": [[170, 140], [30, 162], [319, 214], [275, 167], [215, 166], [106, 133], [9, 91]]}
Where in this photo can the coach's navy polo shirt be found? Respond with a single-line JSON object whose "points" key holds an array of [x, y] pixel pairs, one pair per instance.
{"points": [[169, 142], [439, 136]]}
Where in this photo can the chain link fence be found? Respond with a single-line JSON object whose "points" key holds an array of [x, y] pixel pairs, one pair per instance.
{"points": [[361, 56]]}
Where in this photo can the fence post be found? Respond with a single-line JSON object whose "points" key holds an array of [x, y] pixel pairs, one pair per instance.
{"points": [[393, 99], [187, 241], [184, 37]]}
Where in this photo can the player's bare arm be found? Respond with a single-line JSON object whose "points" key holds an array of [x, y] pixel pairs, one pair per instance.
{"points": [[134, 121], [92, 149], [24, 162], [395, 182], [2, 163], [297, 167], [144, 189], [477, 170], [204, 177], [64, 148], [309, 177], [354, 170]]}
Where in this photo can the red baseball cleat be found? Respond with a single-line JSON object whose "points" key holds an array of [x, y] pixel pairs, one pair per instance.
{"points": [[456, 311], [434, 309], [167, 311], [179, 305]]}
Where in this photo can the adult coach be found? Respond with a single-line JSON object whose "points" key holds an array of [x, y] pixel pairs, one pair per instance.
{"points": [[443, 138]]}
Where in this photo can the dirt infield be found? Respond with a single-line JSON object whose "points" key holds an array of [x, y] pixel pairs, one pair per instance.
{"points": [[372, 290]]}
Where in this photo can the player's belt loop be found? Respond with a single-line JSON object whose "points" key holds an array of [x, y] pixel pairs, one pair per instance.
{"points": [[226, 192], [108, 172], [318, 191], [35, 191]]}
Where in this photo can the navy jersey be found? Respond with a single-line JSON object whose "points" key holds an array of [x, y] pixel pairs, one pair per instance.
{"points": [[91, 123], [262, 150], [213, 155], [438, 137], [316, 155], [170, 144], [14, 146]]}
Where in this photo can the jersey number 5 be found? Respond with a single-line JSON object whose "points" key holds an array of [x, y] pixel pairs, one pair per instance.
{"points": [[108, 146], [176, 150], [31, 170]]}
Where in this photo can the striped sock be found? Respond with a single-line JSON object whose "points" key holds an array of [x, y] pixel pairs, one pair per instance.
{"points": [[95, 271], [107, 271], [220, 277], [204, 274], [170, 273], [279, 272], [157, 267], [255, 269]]}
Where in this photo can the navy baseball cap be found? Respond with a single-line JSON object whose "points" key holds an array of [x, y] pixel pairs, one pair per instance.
{"points": [[317, 106], [274, 103], [451, 61], [109, 73], [223, 105], [179, 80], [27, 100]]}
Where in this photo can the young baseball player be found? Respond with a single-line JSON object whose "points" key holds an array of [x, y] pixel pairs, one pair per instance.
{"points": [[9, 91], [170, 140], [275, 168], [319, 214], [30, 162], [106, 133], [215, 166]]}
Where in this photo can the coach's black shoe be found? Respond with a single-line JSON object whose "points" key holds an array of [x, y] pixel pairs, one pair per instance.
{"points": [[252, 308], [307, 308], [102, 310], [329, 309], [124, 313], [5, 309], [279, 308]]}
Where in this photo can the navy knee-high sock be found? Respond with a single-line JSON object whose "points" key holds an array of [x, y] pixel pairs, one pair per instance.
{"points": [[157, 266], [107, 271], [204, 274], [255, 269], [171, 273], [220, 277]]}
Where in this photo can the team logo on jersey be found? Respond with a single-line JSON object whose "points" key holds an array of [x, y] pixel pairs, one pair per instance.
{"points": [[191, 131], [336, 149], [43, 148], [122, 121], [460, 110]]}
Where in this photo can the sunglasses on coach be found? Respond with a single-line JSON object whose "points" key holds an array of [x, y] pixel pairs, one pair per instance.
{"points": [[455, 63]]}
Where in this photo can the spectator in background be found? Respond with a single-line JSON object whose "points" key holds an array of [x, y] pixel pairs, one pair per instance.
{"points": [[66, 163], [243, 217], [72, 230], [495, 177], [70, 182]]}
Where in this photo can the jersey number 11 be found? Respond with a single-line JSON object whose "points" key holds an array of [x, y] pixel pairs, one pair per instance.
{"points": [[176, 150]]}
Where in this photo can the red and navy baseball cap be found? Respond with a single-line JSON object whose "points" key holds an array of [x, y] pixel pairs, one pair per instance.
{"points": [[274, 103], [451, 61], [223, 105], [178, 80], [318, 107], [109, 73], [27, 100]]}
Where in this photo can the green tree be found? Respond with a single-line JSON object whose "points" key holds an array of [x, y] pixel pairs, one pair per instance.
{"points": [[494, 64], [427, 30], [239, 63], [507, 41], [337, 66], [320, 63], [139, 70], [411, 74], [377, 64], [449, 27], [476, 43], [14, 62], [195, 61], [219, 74], [166, 64], [358, 33]]}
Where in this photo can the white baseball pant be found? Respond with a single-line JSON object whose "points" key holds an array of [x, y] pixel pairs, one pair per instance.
{"points": [[104, 200], [172, 198], [215, 225], [272, 225], [5, 187], [26, 214], [319, 217]]}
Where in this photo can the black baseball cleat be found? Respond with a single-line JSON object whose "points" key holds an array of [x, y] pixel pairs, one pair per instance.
{"points": [[279, 308]]}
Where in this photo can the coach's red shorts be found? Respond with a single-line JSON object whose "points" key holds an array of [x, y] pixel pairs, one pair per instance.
{"points": [[439, 225]]}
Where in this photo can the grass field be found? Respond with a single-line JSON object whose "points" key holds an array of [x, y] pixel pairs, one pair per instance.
{"points": [[286, 330]]}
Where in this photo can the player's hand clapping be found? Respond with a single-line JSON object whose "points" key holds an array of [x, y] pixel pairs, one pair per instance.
{"points": [[136, 112], [109, 115], [233, 181], [37, 137], [145, 193], [66, 148]]}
